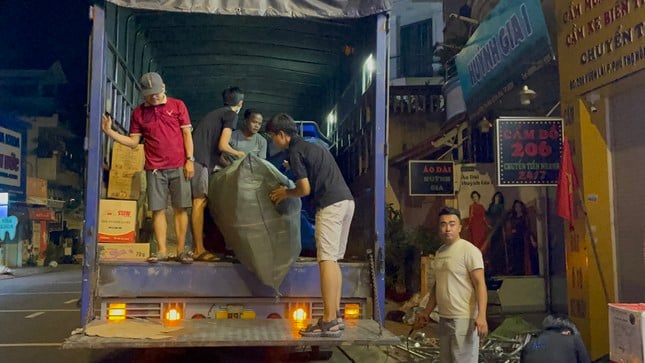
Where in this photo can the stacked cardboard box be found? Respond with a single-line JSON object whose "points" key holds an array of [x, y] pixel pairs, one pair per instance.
{"points": [[118, 222], [125, 172], [123, 251]]}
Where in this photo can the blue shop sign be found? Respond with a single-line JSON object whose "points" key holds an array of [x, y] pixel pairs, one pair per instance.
{"points": [[13, 156], [509, 45]]}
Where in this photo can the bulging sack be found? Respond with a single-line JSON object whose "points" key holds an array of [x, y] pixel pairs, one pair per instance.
{"points": [[265, 237]]}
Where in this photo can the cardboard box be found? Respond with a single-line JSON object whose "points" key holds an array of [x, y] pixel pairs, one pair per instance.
{"points": [[127, 159], [124, 184], [117, 220], [123, 251], [627, 332]]}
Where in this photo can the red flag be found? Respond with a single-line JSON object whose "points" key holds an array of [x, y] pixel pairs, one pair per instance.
{"points": [[567, 184]]}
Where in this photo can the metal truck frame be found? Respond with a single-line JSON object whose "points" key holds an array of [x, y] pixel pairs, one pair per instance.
{"points": [[220, 293]]}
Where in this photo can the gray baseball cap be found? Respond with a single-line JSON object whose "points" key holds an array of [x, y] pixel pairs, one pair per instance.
{"points": [[151, 83]]}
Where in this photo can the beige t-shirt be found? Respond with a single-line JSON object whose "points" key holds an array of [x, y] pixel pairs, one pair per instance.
{"points": [[455, 292]]}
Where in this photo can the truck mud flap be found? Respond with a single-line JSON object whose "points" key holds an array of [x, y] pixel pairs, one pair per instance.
{"points": [[228, 333]]}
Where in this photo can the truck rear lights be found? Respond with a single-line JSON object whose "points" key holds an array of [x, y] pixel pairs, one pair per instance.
{"points": [[173, 313], [352, 311], [116, 311], [299, 315]]}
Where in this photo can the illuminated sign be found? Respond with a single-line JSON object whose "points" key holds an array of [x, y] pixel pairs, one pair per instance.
{"points": [[528, 150]]}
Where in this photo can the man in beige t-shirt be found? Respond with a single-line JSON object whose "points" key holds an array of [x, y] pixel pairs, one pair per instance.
{"points": [[459, 293]]}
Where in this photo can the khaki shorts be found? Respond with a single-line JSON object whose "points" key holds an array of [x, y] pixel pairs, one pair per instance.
{"points": [[332, 230], [162, 183], [458, 341], [199, 182]]}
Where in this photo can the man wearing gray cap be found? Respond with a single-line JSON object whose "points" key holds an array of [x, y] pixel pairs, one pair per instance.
{"points": [[164, 124]]}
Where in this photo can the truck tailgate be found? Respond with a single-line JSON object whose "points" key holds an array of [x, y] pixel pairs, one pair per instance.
{"points": [[225, 333]]}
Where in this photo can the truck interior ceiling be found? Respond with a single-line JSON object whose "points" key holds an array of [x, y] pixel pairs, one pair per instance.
{"points": [[294, 65]]}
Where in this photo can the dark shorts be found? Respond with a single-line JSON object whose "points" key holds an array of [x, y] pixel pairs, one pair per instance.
{"points": [[168, 182], [199, 182]]}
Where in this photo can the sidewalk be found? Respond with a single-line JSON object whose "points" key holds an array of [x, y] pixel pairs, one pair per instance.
{"points": [[17, 272]]}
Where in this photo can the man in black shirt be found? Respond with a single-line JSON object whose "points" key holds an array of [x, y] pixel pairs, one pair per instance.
{"points": [[211, 138], [316, 173]]}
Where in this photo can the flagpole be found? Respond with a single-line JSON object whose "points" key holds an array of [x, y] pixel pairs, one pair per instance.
{"points": [[593, 245]]}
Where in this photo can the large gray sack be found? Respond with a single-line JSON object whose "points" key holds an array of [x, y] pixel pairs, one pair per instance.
{"points": [[264, 237]]}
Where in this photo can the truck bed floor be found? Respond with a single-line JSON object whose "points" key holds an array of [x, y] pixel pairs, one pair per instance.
{"points": [[223, 333]]}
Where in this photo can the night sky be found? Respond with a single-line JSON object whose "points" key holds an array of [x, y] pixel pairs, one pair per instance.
{"points": [[36, 33]]}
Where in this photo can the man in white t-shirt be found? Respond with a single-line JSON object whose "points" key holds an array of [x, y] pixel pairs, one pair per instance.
{"points": [[459, 293]]}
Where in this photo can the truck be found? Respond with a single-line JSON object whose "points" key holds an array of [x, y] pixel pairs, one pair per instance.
{"points": [[315, 60]]}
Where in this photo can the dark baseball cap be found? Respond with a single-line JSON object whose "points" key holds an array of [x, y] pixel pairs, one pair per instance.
{"points": [[151, 83]]}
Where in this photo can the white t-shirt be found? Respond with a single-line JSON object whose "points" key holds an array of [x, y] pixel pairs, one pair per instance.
{"points": [[455, 293]]}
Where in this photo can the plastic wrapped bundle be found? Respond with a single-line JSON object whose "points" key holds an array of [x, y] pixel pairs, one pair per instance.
{"points": [[264, 237]]}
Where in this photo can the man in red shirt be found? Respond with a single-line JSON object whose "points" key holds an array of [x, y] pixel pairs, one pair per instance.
{"points": [[164, 124]]}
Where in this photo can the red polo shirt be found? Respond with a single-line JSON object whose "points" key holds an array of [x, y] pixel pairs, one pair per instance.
{"points": [[161, 128]]}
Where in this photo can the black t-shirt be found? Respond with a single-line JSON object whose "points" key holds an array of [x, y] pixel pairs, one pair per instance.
{"points": [[207, 133], [315, 162], [553, 347]]}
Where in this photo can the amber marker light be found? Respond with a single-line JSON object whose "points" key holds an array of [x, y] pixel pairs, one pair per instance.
{"points": [[352, 311], [116, 312], [173, 314], [299, 315]]}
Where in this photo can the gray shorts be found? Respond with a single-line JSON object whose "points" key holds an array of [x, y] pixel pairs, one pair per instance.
{"points": [[332, 230], [458, 341], [199, 182], [162, 183]]}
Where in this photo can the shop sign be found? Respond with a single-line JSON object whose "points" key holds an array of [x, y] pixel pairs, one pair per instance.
{"points": [[37, 191], [431, 178], [528, 151], [509, 45], [599, 42], [12, 175], [45, 214], [8, 228]]}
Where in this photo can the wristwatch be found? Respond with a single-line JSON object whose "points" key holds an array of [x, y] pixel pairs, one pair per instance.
{"points": [[190, 158]]}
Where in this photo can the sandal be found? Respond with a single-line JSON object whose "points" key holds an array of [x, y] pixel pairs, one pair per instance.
{"points": [[158, 257], [340, 319], [322, 329], [207, 257], [185, 258]]}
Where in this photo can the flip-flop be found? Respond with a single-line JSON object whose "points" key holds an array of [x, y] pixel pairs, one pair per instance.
{"points": [[158, 257], [185, 258], [322, 329], [207, 257]]}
